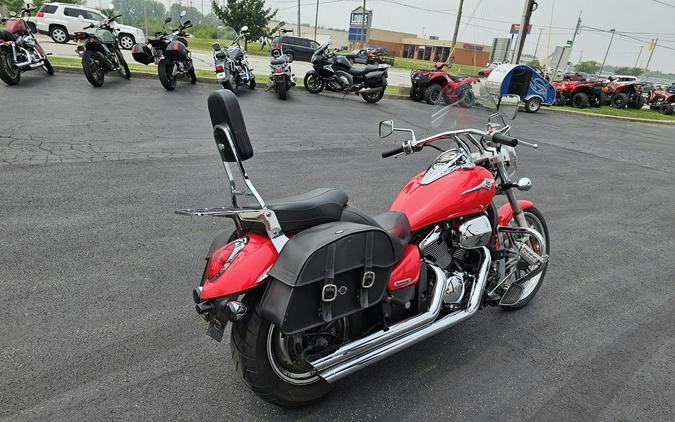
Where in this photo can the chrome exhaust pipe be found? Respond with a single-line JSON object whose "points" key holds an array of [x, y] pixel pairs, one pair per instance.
{"points": [[375, 347]]}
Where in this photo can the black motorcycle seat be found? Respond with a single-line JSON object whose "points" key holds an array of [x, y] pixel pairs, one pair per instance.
{"points": [[362, 71], [395, 223], [6, 35], [310, 209], [278, 60]]}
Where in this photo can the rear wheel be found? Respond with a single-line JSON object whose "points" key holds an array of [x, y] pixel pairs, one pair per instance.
{"points": [[313, 83], [560, 100], [193, 76], [282, 90], [533, 105], [535, 220], [638, 103], [434, 94], [468, 99], [619, 100], [274, 365], [165, 71], [580, 100], [666, 109], [59, 34], [92, 69], [251, 82], [9, 73], [127, 41], [373, 97]]}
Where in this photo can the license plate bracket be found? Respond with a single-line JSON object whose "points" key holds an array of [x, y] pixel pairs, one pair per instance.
{"points": [[215, 330]]}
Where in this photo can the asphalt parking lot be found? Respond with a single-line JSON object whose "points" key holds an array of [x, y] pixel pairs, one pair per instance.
{"points": [[96, 315]]}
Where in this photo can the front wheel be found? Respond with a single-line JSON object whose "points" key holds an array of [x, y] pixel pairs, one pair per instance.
{"points": [[165, 71], [92, 69], [313, 83], [9, 73], [273, 365], [619, 100], [535, 220], [434, 94]]}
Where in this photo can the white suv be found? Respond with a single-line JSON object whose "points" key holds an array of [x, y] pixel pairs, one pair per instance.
{"points": [[61, 21]]}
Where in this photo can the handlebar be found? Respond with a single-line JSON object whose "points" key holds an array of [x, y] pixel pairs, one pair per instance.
{"points": [[392, 152], [500, 138]]}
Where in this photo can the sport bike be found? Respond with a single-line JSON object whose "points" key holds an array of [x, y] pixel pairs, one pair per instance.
{"points": [[281, 75], [317, 289], [100, 51], [170, 53], [232, 68], [334, 72], [19, 50]]}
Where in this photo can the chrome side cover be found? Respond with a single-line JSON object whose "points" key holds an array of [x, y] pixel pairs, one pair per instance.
{"points": [[474, 233]]}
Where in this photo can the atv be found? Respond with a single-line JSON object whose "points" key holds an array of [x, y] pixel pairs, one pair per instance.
{"points": [[625, 94], [663, 101], [435, 85], [580, 94]]}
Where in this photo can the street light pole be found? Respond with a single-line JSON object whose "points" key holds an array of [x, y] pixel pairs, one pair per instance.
{"points": [[613, 31], [299, 34], [530, 6], [363, 25], [536, 47], [316, 18], [653, 47], [451, 56], [638, 57]]}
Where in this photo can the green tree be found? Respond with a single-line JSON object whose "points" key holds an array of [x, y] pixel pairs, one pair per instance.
{"points": [[590, 66], [138, 8], [534, 63], [251, 13], [12, 5], [38, 3], [628, 71]]}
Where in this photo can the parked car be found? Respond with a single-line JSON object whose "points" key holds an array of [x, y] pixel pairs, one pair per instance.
{"points": [[61, 21], [296, 48], [576, 76], [484, 72], [623, 78], [367, 56]]}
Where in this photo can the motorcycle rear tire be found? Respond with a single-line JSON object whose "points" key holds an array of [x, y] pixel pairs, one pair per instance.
{"points": [[249, 341], [48, 67], [92, 69], [313, 83], [251, 82], [9, 73], [193, 76], [282, 90], [373, 97], [166, 74], [231, 86]]}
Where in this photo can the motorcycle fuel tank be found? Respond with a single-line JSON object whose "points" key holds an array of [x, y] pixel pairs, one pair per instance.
{"points": [[463, 191]]}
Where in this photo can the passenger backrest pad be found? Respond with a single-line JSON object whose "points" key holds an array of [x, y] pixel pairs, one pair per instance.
{"points": [[225, 111]]}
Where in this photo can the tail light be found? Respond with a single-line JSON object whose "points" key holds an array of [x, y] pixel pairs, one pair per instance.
{"points": [[220, 68], [278, 45], [279, 69], [40, 14], [217, 261]]}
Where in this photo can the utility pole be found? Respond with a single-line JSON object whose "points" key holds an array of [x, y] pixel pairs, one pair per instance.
{"points": [[451, 56], [638, 58], [299, 34], [530, 6], [316, 18], [653, 47], [613, 31], [363, 26], [145, 15], [577, 31], [536, 47]]}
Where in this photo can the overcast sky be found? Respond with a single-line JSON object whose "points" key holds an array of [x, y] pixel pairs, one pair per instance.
{"points": [[484, 20]]}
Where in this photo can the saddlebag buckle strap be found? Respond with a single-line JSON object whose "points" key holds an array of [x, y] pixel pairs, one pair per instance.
{"points": [[368, 278], [330, 291]]}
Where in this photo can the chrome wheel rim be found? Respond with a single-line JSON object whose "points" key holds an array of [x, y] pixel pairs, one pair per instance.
{"points": [[533, 222], [313, 82]]}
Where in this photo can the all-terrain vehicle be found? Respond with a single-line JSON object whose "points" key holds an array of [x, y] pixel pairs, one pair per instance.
{"points": [[625, 94], [436, 85], [663, 101], [580, 94]]}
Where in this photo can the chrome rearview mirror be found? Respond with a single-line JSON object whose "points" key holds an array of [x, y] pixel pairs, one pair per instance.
{"points": [[386, 128], [508, 106], [244, 28]]}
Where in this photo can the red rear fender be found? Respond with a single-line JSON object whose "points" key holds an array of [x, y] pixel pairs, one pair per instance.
{"points": [[247, 269], [505, 212]]}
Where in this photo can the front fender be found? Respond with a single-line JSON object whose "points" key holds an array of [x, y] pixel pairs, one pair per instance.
{"points": [[246, 270], [505, 212]]}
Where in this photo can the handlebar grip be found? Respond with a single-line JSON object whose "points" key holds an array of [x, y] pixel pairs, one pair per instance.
{"points": [[504, 139], [391, 152]]}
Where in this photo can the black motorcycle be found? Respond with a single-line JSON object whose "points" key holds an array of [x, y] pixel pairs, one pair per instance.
{"points": [[20, 51], [170, 53], [232, 68], [100, 51], [335, 73], [281, 75]]}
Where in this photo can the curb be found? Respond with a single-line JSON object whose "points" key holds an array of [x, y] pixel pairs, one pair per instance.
{"points": [[628, 119]]}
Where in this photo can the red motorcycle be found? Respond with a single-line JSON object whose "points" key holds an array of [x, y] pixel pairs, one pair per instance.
{"points": [[435, 85], [316, 289], [20, 51]]}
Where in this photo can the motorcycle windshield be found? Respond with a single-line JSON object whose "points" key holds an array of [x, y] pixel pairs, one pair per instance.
{"points": [[226, 36], [105, 36]]}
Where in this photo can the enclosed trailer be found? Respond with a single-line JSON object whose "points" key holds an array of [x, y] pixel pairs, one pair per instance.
{"points": [[521, 80]]}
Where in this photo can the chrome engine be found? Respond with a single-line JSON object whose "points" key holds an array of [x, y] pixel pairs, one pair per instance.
{"points": [[454, 289]]}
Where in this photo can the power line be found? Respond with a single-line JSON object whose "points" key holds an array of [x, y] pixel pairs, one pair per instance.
{"points": [[664, 3]]}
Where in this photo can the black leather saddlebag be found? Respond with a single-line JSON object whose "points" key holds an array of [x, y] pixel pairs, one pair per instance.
{"points": [[142, 53], [325, 273], [176, 51], [375, 79]]}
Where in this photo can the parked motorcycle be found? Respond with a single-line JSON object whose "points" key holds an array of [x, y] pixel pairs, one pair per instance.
{"points": [[20, 51], [281, 76], [336, 73], [101, 51], [232, 68], [170, 53], [317, 289]]}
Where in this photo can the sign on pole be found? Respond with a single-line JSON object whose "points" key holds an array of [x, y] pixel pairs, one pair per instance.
{"points": [[515, 28]]}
